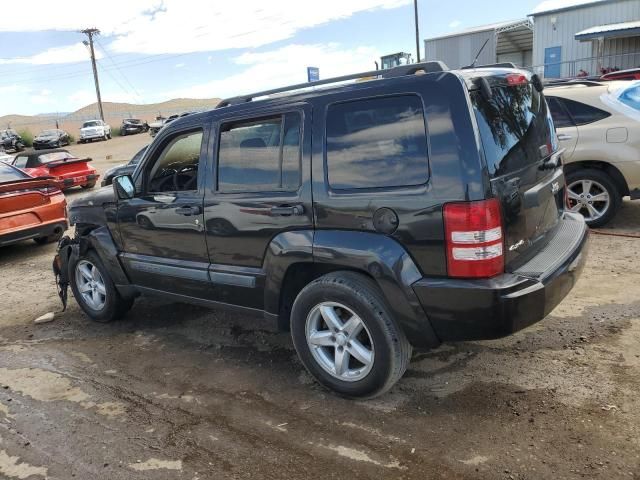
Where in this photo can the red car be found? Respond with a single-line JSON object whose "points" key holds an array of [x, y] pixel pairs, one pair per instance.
{"points": [[30, 208], [68, 171], [631, 74]]}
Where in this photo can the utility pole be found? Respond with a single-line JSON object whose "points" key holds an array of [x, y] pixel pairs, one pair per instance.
{"points": [[415, 8], [90, 32]]}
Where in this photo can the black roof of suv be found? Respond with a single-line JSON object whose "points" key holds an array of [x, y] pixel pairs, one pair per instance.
{"points": [[412, 206]]}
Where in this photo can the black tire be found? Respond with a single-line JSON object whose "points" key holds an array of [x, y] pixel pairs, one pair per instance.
{"points": [[362, 296], [114, 305], [607, 183]]}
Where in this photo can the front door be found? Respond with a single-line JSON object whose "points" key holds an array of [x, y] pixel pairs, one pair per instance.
{"points": [[162, 232], [262, 190]]}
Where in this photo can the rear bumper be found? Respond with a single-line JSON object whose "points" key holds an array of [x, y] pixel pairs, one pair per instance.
{"points": [[78, 180], [495, 307], [43, 230]]}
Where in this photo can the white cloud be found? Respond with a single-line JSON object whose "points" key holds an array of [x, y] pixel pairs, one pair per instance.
{"points": [[179, 65], [42, 97], [455, 24], [281, 67], [67, 54], [181, 26]]}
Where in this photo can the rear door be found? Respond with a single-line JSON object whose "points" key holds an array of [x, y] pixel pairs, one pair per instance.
{"points": [[519, 143], [262, 189]]}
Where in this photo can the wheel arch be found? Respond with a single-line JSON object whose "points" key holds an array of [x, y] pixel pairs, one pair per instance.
{"points": [[605, 167]]}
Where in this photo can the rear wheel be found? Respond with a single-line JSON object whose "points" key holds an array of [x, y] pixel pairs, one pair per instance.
{"points": [[345, 336], [94, 290], [593, 194]]}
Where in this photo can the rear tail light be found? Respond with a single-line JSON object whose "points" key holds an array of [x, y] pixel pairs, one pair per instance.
{"points": [[514, 79], [474, 239]]}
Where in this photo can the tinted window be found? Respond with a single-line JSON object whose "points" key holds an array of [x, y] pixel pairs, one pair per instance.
{"points": [[377, 143], [583, 114], [514, 123], [176, 167], [560, 116], [8, 174], [260, 155]]}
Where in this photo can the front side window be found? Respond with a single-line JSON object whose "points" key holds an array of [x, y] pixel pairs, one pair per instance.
{"points": [[260, 155], [20, 161], [377, 143], [582, 113], [176, 167]]}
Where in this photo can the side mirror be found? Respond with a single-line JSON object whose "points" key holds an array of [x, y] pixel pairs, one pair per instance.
{"points": [[123, 187]]}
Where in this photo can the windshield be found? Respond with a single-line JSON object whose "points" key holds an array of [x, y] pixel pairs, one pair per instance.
{"points": [[48, 133], [91, 124], [515, 126], [132, 120], [55, 156]]}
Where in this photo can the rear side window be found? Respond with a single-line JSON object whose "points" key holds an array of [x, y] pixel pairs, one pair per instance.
{"points": [[560, 116], [260, 155], [377, 143], [583, 114]]}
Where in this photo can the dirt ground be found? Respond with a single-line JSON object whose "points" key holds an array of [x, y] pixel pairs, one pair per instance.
{"points": [[181, 392]]}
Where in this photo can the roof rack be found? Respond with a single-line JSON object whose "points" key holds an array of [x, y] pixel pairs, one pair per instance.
{"points": [[426, 67]]}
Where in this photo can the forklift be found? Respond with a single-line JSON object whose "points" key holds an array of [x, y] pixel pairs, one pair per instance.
{"points": [[394, 60]]}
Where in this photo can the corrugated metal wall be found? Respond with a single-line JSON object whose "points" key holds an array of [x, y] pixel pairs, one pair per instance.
{"points": [[460, 50], [570, 22]]}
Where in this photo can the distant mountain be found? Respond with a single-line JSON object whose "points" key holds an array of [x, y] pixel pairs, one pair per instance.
{"points": [[113, 113]]}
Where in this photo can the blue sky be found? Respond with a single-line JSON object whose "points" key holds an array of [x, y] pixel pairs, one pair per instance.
{"points": [[152, 50]]}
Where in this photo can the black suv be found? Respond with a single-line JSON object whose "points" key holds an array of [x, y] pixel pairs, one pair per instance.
{"points": [[416, 207]]}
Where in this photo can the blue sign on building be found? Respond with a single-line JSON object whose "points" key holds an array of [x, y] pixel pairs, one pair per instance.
{"points": [[313, 74]]}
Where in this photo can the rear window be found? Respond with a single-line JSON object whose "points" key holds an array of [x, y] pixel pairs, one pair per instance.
{"points": [[53, 157], [377, 143], [8, 174], [515, 127]]}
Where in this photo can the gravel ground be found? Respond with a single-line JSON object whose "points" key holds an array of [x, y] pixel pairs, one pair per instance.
{"points": [[180, 392]]}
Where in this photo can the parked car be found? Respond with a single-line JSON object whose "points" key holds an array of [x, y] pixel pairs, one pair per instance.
{"points": [[11, 140], [30, 208], [67, 170], [369, 218], [154, 127], [131, 126], [599, 126], [94, 130], [631, 74], [51, 139], [126, 169]]}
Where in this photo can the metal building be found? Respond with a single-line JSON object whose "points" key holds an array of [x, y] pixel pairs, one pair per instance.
{"points": [[587, 35], [507, 42]]}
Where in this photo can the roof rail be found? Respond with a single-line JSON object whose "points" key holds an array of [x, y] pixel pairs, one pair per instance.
{"points": [[492, 65], [426, 67]]}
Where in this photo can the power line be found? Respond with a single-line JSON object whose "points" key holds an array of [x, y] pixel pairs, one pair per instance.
{"points": [[120, 71]]}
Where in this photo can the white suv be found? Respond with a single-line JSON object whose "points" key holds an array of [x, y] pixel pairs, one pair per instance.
{"points": [[598, 123], [94, 130]]}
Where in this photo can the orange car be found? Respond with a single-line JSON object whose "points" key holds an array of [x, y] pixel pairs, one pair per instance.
{"points": [[30, 208]]}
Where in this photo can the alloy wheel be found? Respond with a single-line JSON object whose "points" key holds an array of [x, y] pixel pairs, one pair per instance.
{"points": [[91, 285], [339, 341], [588, 197]]}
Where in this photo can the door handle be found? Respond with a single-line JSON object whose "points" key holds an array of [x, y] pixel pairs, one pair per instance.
{"points": [[287, 211], [563, 137], [188, 210]]}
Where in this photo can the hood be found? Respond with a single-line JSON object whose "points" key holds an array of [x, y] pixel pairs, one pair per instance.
{"points": [[46, 137], [92, 207], [97, 127]]}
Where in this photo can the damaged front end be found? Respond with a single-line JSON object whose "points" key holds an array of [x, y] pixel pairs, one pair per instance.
{"points": [[67, 247]]}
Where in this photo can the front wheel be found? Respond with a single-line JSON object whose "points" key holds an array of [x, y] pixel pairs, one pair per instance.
{"points": [[94, 290], [594, 194], [345, 336]]}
